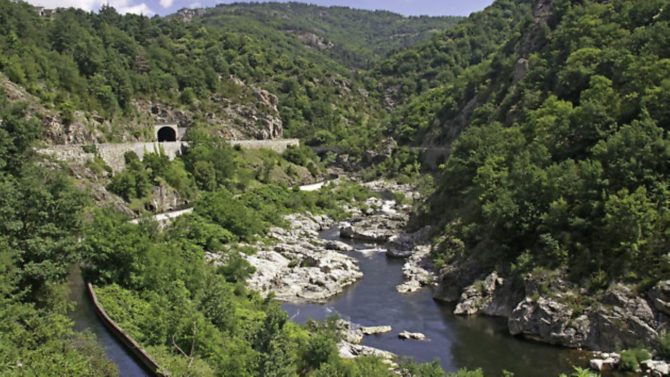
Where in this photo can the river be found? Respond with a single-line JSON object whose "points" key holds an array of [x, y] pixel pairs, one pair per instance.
{"points": [[457, 342]]}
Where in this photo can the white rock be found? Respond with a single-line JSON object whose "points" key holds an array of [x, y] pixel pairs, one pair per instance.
{"points": [[596, 364], [412, 335], [374, 330]]}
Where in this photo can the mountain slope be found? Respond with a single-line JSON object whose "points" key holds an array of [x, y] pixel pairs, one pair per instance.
{"points": [[109, 77], [353, 37], [560, 180]]}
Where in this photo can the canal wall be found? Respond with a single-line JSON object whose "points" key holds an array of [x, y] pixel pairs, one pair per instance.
{"points": [[135, 349]]}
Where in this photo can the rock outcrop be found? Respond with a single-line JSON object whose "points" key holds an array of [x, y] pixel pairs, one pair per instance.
{"points": [[548, 321], [547, 308], [406, 335], [417, 270], [660, 297], [351, 351], [375, 330], [621, 320], [299, 267], [381, 221], [478, 297]]}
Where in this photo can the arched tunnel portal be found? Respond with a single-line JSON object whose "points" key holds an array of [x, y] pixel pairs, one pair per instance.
{"points": [[166, 133]]}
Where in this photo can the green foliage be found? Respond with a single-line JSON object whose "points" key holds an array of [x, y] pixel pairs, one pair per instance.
{"points": [[413, 75], [359, 37], [431, 370], [223, 209], [40, 217], [664, 345], [581, 372], [565, 166], [112, 64], [631, 359]]}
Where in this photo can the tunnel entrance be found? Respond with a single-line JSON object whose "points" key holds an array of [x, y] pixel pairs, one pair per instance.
{"points": [[167, 134]]}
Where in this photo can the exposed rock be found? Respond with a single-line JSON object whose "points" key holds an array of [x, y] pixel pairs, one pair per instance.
{"points": [[478, 295], [548, 321], [605, 362], [385, 186], [380, 227], [350, 333], [603, 365], [660, 297], [338, 246], [313, 40], [403, 245], [454, 278], [298, 267], [622, 320], [417, 270], [409, 286], [375, 330], [350, 351], [412, 335], [164, 198], [520, 69]]}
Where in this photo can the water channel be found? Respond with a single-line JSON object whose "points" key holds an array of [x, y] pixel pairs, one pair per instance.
{"points": [[85, 319]]}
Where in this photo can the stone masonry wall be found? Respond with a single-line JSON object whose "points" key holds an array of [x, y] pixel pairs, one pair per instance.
{"points": [[277, 145], [112, 154]]}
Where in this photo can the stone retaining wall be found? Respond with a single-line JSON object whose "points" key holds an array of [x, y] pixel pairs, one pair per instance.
{"points": [[113, 154], [135, 349], [277, 145]]}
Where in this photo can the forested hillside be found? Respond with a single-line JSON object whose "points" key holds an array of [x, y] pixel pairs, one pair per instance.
{"points": [[353, 37], [562, 170], [565, 160], [106, 77], [551, 204]]}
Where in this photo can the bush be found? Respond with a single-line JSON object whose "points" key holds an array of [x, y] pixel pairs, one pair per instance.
{"points": [[300, 155], [630, 359], [230, 213], [664, 345]]}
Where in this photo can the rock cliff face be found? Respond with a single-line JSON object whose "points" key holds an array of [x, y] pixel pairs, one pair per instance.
{"points": [[547, 309], [250, 115]]}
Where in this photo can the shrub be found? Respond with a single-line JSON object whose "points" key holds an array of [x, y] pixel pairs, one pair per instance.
{"points": [[664, 345], [630, 359]]}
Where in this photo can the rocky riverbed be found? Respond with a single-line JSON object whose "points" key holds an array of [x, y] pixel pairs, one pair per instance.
{"points": [[299, 266]]}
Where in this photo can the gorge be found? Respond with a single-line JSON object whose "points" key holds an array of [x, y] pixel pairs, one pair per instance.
{"points": [[480, 196]]}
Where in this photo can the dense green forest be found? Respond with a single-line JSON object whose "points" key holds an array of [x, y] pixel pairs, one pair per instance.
{"points": [[41, 217], [116, 67], [353, 37], [553, 115], [566, 166]]}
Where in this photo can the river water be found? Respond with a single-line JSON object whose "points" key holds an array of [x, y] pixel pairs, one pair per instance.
{"points": [[85, 319], [456, 342]]}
